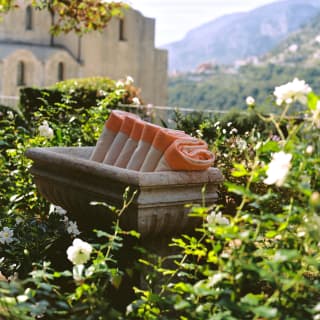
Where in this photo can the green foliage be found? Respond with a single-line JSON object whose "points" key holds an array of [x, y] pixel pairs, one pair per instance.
{"points": [[75, 93], [71, 126], [80, 17], [211, 127], [256, 255], [225, 89]]}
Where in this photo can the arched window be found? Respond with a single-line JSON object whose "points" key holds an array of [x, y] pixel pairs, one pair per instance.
{"points": [[21, 69], [60, 71], [29, 21], [121, 30]]}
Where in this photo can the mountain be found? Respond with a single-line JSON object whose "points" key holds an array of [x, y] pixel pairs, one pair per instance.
{"points": [[301, 48], [240, 35], [226, 87]]}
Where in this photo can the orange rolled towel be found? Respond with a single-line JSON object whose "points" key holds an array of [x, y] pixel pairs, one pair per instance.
{"points": [[160, 143], [110, 130], [130, 145], [186, 154], [139, 155], [120, 140]]}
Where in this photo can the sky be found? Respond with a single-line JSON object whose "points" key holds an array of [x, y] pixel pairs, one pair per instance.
{"points": [[174, 18]]}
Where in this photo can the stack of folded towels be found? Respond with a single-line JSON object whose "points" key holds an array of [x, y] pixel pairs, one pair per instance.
{"points": [[129, 142]]}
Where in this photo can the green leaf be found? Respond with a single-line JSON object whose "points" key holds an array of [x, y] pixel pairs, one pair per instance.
{"points": [[283, 255], [268, 147], [265, 312], [181, 305], [252, 299], [116, 280], [239, 170], [134, 233], [271, 234], [238, 189], [312, 101]]}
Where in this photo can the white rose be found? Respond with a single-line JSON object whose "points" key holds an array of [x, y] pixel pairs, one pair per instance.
{"points": [[217, 218], [60, 211], [79, 252], [278, 168], [45, 130], [309, 149], [119, 84], [136, 101], [72, 228], [250, 101], [292, 91], [129, 80]]}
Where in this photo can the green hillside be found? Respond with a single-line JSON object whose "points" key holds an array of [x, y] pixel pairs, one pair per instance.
{"points": [[223, 88]]}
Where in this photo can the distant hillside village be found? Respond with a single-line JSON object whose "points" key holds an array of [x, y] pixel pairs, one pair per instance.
{"points": [[30, 56]]}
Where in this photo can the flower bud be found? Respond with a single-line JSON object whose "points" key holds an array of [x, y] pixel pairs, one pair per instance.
{"points": [[315, 199], [250, 102], [309, 149]]}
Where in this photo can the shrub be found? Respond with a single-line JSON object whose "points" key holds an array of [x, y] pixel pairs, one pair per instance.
{"points": [[256, 255], [75, 96], [260, 261]]}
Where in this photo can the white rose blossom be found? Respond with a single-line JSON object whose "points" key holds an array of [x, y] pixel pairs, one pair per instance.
{"points": [[250, 101], [10, 115], [217, 218], [292, 91], [72, 228], [119, 84], [234, 131], [309, 149], [79, 252], [135, 101], [59, 210], [45, 130], [6, 235], [278, 168], [19, 220], [129, 80]]}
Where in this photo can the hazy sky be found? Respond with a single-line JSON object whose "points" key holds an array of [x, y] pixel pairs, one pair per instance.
{"points": [[174, 18]]}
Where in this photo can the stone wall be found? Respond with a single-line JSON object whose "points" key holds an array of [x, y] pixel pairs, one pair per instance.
{"points": [[107, 53]]}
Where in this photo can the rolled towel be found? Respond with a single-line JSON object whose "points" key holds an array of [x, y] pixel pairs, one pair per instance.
{"points": [[160, 143], [186, 154], [130, 145], [110, 130], [120, 140], [139, 155]]}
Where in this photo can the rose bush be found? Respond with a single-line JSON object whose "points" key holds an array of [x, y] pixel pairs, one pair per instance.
{"points": [[256, 255]]}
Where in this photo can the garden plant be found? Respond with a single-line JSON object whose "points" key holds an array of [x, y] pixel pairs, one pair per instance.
{"points": [[255, 256]]}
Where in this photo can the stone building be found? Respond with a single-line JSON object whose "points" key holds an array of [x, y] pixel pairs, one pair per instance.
{"points": [[29, 57]]}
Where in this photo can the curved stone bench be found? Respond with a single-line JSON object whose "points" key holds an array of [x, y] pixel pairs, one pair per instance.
{"points": [[66, 178]]}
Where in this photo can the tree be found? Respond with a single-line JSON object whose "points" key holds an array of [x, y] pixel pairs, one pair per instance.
{"points": [[81, 16]]}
